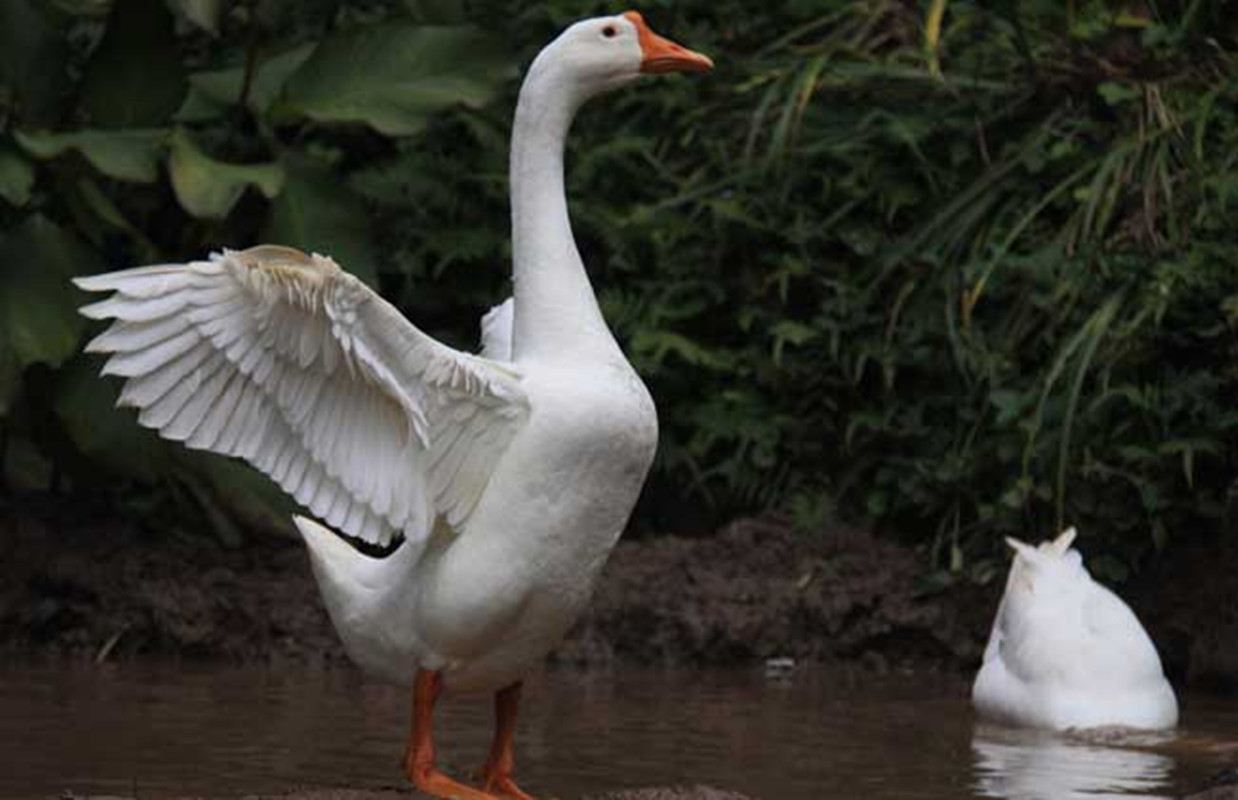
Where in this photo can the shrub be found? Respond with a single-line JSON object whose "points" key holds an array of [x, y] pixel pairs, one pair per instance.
{"points": [[959, 270]]}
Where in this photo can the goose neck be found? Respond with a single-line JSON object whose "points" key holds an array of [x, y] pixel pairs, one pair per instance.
{"points": [[556, 309]]}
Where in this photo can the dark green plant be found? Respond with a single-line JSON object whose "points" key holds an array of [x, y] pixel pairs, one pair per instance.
{"points": [[956, 269], [136, 131]]}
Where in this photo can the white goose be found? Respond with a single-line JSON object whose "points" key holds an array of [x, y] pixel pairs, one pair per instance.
{"points": [[1065, 652], [508, 476]]}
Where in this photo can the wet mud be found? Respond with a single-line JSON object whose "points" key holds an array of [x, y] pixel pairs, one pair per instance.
{"points": [[84, 585]]}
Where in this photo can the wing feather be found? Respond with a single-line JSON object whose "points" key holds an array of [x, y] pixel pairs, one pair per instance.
{"points": [[124, 337], [132, 309], [294, 481], [291, 363], [194, 413], [136, 363]]}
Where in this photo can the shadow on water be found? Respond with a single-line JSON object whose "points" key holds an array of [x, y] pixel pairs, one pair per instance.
{"points": [[167, 731]]}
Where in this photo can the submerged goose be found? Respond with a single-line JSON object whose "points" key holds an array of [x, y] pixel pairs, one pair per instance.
{"points": [[506, 477], [1065, 652]]}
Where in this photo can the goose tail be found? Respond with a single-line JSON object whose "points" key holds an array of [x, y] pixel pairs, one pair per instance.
{"points": [[335, 563], [368, 599]]}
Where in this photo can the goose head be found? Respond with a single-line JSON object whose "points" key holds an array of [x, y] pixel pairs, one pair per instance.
{"points": [[597, 55]]}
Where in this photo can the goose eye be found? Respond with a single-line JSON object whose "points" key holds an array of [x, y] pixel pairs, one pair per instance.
{"points": [[609, 31]]}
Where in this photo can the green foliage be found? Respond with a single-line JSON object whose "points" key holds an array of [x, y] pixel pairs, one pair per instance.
{"points": [[958, 269], [210, 189], [127, 155], [16, 176], [316, 215], [134, 131], [393, 78], [37, 319], [32, 58], [949, 261], [134, 77]]}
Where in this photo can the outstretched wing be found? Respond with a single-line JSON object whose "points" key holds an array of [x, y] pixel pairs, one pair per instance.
{"points": [[289, 362]]}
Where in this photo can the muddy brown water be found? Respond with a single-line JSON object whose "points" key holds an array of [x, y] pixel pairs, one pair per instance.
{"points": [[160, 731]]}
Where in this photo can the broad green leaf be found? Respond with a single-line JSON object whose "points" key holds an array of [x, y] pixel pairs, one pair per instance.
{"points": [[131, 155], [16, 176], [111, 437], [39, 323], [208, 188], [135, 78], [1115, 93], [206, 14], [317, 213], [394, 77], [33, 58], [214, 92], [199, 107]]}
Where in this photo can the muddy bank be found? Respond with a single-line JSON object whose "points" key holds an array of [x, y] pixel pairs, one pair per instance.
{"points": [[77, 586], [85, 585], [660, 793], [759, 590], [1188, 600]]}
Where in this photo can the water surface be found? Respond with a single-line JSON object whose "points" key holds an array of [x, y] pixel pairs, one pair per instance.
{"points": [[169, 730]]}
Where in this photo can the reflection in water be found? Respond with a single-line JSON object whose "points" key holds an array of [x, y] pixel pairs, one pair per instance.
{"points": [[1040, 765], [159, 731]]}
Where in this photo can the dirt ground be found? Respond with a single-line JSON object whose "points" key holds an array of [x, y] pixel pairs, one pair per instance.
{"points": [[760, 590], [78, 584]]}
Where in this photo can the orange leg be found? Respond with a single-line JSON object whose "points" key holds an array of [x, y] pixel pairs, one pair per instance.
{"points": [[419, 757], [497, 774]]}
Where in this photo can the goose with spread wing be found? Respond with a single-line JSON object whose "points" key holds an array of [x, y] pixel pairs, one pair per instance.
{"points": [[506, 478], [1066, 652]]}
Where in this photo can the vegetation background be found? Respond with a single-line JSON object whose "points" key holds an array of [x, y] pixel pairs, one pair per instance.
{"points": [[954, 269]]}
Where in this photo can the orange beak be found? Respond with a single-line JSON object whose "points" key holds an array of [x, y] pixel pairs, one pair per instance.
{"points": [[662, 55]]}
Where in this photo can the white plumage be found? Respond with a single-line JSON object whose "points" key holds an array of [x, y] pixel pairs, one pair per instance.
{"points": [[289, 362], [508, 477], [1066, 652]]}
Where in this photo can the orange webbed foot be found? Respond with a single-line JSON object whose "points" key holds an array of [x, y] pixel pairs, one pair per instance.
{"points": [[419, 756], [503, 786], [436, 784]]}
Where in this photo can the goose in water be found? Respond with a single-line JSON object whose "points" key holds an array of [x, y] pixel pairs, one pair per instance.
{"points": [[1065, 652], [506, 478]]}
